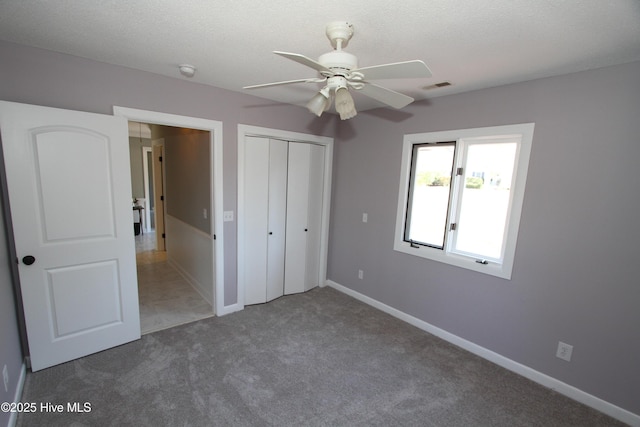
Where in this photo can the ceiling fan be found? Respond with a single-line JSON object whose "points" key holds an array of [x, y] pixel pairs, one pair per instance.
{"points": [[340, 73]]}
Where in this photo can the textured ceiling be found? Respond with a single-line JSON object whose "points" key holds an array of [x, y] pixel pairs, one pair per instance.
{"points": [[471, 43]]}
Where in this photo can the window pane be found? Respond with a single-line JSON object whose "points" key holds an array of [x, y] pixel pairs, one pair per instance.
{"points": [[485, 199], [431, 167]]}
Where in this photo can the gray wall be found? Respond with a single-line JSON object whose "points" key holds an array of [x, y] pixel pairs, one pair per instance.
{"points": [[137, 168], [36, 76], [575, 275], [188, 175], [10, 349]]}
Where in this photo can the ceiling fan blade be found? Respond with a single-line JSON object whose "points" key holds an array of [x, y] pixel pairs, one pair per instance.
{"points": [[304, 60], [286, 82], [397, 70], [387, 96]]}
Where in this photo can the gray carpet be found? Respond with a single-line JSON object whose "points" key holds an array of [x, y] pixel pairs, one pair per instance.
{"points": [[315, 359]]}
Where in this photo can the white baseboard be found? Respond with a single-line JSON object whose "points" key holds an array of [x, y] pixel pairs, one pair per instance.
{"points": [[228, 309], [527, 372], [13, 419]]}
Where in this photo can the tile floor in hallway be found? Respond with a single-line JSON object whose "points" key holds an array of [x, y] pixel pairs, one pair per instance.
{"points": [[166, 298]]}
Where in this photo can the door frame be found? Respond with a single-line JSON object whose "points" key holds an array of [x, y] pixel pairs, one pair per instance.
{"points": [[158, 194], [216, 161], [327, 142]]}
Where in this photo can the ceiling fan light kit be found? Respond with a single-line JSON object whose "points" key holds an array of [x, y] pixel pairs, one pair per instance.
{"points": [[344, 104], [340, 73], [319, 103]]}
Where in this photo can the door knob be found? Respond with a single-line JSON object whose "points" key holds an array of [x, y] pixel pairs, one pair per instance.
{"points": [[29, 259]]}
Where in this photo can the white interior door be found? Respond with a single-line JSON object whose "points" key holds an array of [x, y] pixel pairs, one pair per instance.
{"points": [[277, 212], [297, 215], [70, 196], [255, 225], [265, 200], [314, 215], [305, 187]]}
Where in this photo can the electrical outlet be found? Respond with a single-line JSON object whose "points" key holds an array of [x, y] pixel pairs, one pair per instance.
{"points": [[204, 213], [365, 217], [360, 274], [227, 216], [5, 377], [564, 351]]}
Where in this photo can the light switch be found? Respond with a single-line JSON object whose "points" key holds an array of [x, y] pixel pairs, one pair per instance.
{"points": [[227, 216], [365, 217]]}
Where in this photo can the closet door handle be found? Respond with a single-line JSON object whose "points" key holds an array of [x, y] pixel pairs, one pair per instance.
{"points": [[305, 230], [270, 233]]}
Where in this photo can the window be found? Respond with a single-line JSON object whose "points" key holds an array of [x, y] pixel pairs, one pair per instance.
{"points": [[461, 195]]}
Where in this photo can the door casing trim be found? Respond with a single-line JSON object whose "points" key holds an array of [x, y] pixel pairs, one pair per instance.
{"points": [[216, 161]]}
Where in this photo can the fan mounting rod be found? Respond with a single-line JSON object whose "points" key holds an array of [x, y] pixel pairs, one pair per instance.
{"points": [[339, 61], [339, 32]]}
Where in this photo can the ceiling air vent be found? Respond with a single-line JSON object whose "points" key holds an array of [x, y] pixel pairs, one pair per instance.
{"points": [[437, 85]]}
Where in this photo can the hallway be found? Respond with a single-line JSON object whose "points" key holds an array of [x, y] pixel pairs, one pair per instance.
{"points": [[166, 298]]}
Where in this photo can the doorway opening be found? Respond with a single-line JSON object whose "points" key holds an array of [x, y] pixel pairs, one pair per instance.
{"points": [[197, 254], [203, 255], [166, 298], [174, 227]]}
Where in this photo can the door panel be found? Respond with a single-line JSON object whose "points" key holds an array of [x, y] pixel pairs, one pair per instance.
{"points": [[256, 199], [304, 217], [85, 184], [265, 201], [95, 283], [297, 213], [277, 212], [70, 197], [314, 216]]}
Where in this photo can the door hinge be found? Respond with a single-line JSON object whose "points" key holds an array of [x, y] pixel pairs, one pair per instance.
{"points": [[162, 198], [160, 158], [214, 237], [163, 236], [459, 171], [453, 226]]}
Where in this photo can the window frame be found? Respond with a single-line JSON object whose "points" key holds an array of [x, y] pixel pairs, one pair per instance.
{"points": [[411, 189], [522, 132]]}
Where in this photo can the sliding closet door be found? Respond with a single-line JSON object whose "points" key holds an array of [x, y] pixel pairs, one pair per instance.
{"points": [[304, 215]]}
